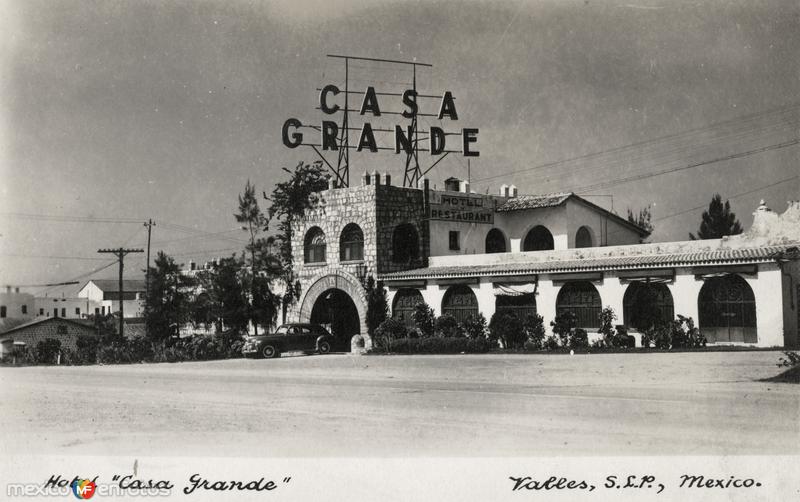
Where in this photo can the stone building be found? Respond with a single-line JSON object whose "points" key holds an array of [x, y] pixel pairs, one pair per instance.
{"points": [[464, 253], [31, 333]]}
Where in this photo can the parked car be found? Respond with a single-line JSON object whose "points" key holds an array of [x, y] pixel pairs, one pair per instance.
{"points": [[288, 337]]}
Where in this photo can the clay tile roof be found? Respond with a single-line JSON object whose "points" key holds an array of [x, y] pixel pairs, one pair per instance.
{"points": [[534, 201], [718, 256]]}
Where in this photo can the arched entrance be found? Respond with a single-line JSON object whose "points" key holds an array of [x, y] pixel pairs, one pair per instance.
{"points": [[647, 304], [335, 310], [404, 304], [337, 290], [727, 310], [582, 299], [460, 302]]}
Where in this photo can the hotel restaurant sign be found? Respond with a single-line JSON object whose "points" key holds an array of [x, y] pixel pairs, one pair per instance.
{"points": [[462, 207]]}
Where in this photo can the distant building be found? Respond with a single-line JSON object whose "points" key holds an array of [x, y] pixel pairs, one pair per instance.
{"points": [[67, 307], [31, 333], [15, 308], [105, 294]]}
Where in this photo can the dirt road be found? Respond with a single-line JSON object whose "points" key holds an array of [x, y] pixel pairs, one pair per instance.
{"points": [[467, 405]]}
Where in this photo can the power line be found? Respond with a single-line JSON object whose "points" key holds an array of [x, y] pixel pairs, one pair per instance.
{"points": [[51, 257], [707, 128], [638, 177], [734, 196], [64, 218]]}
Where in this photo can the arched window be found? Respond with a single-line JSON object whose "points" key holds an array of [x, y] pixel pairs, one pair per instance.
{"points": [[583, 239], [520, 305], [582, 299], [405, 243], [646, 305], [404, 304], [495, 241], [460, 302], [727, 310], [538, 239], [351, 243], [314, 248]]}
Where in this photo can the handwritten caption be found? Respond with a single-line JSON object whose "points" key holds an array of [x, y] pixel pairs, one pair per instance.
{"points": [[195, 484], [642, 482]]}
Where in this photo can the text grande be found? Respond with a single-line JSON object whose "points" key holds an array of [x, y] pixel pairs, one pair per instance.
{"points": [[404, 137]]}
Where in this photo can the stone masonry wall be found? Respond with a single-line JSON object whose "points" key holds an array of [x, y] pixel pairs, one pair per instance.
{"points": [[32, 335]]}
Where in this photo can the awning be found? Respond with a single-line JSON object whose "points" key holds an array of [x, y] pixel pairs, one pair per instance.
{"points": [[501, 289]]}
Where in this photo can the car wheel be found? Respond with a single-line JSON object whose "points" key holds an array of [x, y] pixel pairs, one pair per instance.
{"points": [[269, 352], [324, 347]]}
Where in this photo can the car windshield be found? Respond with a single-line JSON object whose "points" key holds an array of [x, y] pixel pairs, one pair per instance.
{"points": [[282, 330]]}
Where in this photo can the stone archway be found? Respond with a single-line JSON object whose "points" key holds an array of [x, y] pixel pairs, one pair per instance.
{"points": [[344, 283]]}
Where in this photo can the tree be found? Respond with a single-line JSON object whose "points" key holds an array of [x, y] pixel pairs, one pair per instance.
{"points": [[718, 221], [424, 319], [168, 299], [261, 307], [643, 219], [289, 202], [226, 293], [377, 305]]}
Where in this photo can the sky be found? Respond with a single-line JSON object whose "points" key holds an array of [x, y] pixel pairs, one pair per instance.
{"points": [[116, 112]]}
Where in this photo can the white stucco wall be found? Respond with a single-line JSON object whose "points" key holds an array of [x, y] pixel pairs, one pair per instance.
{"points": [[768, 291]]}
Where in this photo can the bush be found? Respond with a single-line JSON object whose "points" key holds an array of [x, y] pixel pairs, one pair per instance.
{"points": [[579, 339], [21, 355], [134, 350], [607, 318], [563, 325], [47, 351], [507, 327], [447, 327], [534, 330], [437, 345], [551, 343], [790, 360], [685, 335], [424, 320], [389, 330], [475, 327]]}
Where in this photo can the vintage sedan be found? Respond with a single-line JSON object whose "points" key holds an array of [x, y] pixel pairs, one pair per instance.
{"points": [[304, 337]]}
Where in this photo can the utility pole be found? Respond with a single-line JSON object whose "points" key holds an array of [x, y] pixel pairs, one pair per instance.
{"points": [[150, 224], [120, 254]]}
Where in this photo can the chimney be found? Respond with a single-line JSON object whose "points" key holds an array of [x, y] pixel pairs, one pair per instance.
{"points": [[365, 179], [387, 179], [464, 186], [512, 190], [504, 190], [16, 290], [376, 178]]}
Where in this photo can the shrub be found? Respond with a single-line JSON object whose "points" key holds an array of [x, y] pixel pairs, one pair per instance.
{"points": [[607, 318], [475, 327], [438, 345], [534, 330], [662, 337], [563, 325], [579, 339], [86, 352], [47, 351], [551, 343], [789, 360], [685, 335], [21, 355], [447, 327], [424, 320], [389, 330], [507, 327]]}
